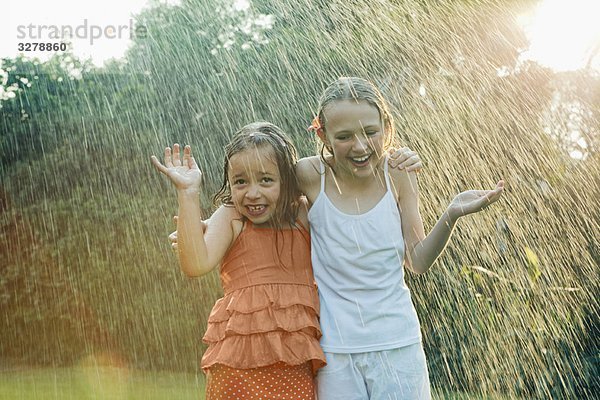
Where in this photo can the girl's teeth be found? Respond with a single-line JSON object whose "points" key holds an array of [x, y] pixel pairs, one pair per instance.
{"points": [[361, 159]]}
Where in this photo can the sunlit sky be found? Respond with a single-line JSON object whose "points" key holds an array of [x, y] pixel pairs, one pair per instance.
{"points": [[563, 34]]}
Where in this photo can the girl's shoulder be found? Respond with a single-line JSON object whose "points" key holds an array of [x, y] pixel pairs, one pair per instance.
{"points": [[225, 213], [227, 216], [308, 171], [308, 168]]}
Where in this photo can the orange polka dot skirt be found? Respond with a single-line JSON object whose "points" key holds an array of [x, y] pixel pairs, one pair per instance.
{"points": [[273, 382]]}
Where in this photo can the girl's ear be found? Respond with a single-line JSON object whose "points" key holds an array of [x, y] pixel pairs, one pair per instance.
{"points": [[321, 134]]}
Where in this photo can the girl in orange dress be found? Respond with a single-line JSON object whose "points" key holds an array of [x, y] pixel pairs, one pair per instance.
{"points": [[263, 335]]}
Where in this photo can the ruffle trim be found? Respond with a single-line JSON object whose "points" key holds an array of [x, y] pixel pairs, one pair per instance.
{"points": [[265, 324], [291, 319], [259, 297], [260, 350]]}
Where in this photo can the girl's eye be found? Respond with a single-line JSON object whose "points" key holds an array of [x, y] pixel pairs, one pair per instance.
{"points": [[239, 182], [267, 180], [371, 133]]}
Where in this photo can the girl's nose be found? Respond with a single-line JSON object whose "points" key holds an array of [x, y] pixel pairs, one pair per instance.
{"points": [[253, 192], [360, 143]]}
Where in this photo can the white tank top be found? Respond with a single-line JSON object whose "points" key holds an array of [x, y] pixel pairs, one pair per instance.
{"points": [[358, 265]]}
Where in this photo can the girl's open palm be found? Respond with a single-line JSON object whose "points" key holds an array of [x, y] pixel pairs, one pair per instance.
{"points": [[184, 173], [473, 201]]}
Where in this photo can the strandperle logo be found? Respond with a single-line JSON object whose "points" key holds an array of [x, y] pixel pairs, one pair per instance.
{"points": [[82, 31]]}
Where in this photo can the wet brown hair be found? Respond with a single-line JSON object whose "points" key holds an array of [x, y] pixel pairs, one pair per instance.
{"points": [[358, 89], [259, 135]]}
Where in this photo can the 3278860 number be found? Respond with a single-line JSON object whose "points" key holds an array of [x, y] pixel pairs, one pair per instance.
{"points": [[42, 46]]}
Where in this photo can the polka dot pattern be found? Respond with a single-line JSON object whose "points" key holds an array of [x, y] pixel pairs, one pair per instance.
{"points": [[274, 382]]}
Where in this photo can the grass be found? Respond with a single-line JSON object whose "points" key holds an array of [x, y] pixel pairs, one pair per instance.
{"points": [[98, 383]]}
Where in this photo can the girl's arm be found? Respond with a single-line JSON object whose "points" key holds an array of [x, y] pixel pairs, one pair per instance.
{"points": [[309, 177], [198, 252], [421, 251]]}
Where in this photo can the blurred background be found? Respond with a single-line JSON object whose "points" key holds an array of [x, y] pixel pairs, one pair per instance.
{"points": [[90, 291]]}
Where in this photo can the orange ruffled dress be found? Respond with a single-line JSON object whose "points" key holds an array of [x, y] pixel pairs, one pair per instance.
{"points": [[269, 313]]}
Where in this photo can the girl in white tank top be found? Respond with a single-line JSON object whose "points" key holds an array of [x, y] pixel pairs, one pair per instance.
{"points": [[365, 225]]}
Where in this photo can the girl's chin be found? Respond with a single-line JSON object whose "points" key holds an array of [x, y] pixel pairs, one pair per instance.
{"points": [[260, 218]]}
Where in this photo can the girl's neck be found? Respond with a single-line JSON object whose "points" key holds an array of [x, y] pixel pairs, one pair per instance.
{"points": [[271, 225], [355, 195]]}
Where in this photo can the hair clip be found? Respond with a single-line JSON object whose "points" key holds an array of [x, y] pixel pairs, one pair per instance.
{"points": [[315, 126]]}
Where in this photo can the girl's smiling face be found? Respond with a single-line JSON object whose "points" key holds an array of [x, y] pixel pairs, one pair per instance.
{"points": [[255, 183], [355, 134]]}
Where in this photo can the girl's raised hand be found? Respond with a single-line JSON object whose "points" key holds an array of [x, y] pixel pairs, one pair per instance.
{"points": [[184, 173], [473, 201], [405, 158]]}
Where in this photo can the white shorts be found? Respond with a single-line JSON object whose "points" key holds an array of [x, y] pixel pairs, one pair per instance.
{"points": [[378, 375]]}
